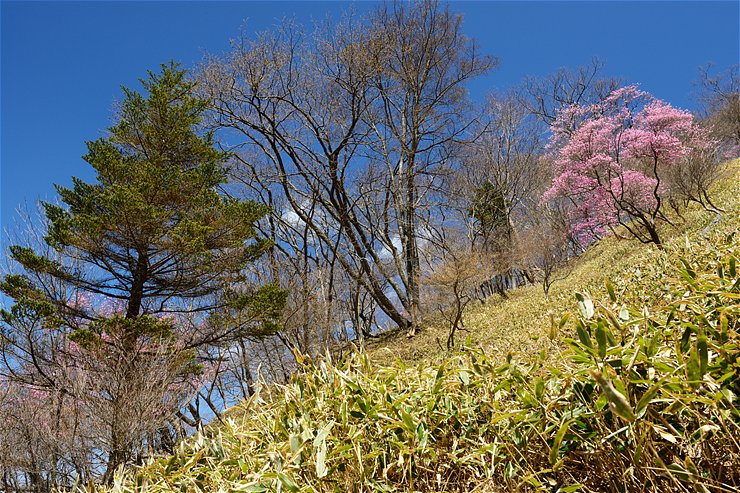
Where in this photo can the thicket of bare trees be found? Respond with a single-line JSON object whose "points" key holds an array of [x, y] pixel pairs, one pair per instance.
{"points": [[345, 133], [361, 140]]}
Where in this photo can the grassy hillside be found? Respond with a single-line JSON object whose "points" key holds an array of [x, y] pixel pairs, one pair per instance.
{"points": [[522, 322], [631, 385]]}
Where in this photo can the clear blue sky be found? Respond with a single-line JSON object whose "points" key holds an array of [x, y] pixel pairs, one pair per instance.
{"points": [[63, 62]]}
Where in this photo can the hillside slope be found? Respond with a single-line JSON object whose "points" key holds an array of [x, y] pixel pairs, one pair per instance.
{"points": [[630, 386], [522, 323]]}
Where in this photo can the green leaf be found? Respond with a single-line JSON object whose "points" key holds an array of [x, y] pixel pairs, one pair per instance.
{"points": [[408, 421], [679, 472], [287, 482], [610, 290], [254, 488], [723, 326], [693, 369], [539, 389], [583, 335], [601, 337], [685, 338], [701, 347], [555, 449], [571, 488], [647, 397], [618, 403]]}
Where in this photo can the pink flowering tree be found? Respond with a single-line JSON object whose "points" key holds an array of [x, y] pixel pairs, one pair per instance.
{"points": [[614, 165]]}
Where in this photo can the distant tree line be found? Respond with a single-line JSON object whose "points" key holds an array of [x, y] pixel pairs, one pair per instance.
{"points": [[305, 191]]}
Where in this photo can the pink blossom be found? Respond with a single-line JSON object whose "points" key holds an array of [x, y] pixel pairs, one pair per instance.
{"points": [[74, 348], [635, 189], [612, 165]]}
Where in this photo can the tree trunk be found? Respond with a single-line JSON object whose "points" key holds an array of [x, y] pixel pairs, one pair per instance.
{"points": [[411, 250]]}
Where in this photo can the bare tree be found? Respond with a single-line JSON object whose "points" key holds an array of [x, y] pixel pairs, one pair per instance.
{"points": [[344, 128], [545, 96], [545, 245], [299, 105], [73, 404], [690, 179], [498, 178], [453, 281], [421, 111], [719, 95]]}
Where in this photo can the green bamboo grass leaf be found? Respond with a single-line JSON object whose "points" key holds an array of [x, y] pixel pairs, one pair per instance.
{"points": [[571, 488], [287, 482], [563, 321], [615, 323], [438, 380], [601, 337], [610, 290], [693, 369], [408, 422], [701, 347], [618, 403], [555, 449], [254, 488], [723, 326], [539, 389], [685, 339], [583, 335], [647, 397], [679, 472]]}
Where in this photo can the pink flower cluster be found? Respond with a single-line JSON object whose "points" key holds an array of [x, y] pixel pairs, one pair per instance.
{"points": [[610, 158]]}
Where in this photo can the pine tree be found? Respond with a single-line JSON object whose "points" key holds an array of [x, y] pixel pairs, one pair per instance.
{"points": [[150, 259]]}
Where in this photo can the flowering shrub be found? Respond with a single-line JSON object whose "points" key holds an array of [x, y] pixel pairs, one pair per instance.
{"points": [[615, 167]]}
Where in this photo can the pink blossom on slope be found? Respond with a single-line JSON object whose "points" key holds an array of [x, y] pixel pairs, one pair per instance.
{"points": [[572, 182], [663, 146], [635, 189], [625, 95], [659, 116], [610, 166], [591, 218]]}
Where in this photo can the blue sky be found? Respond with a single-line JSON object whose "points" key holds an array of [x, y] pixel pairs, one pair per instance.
{"points": [[63, 63]]}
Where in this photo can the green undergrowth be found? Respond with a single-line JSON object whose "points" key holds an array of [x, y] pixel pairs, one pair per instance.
{"points": [[627, 379]]}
